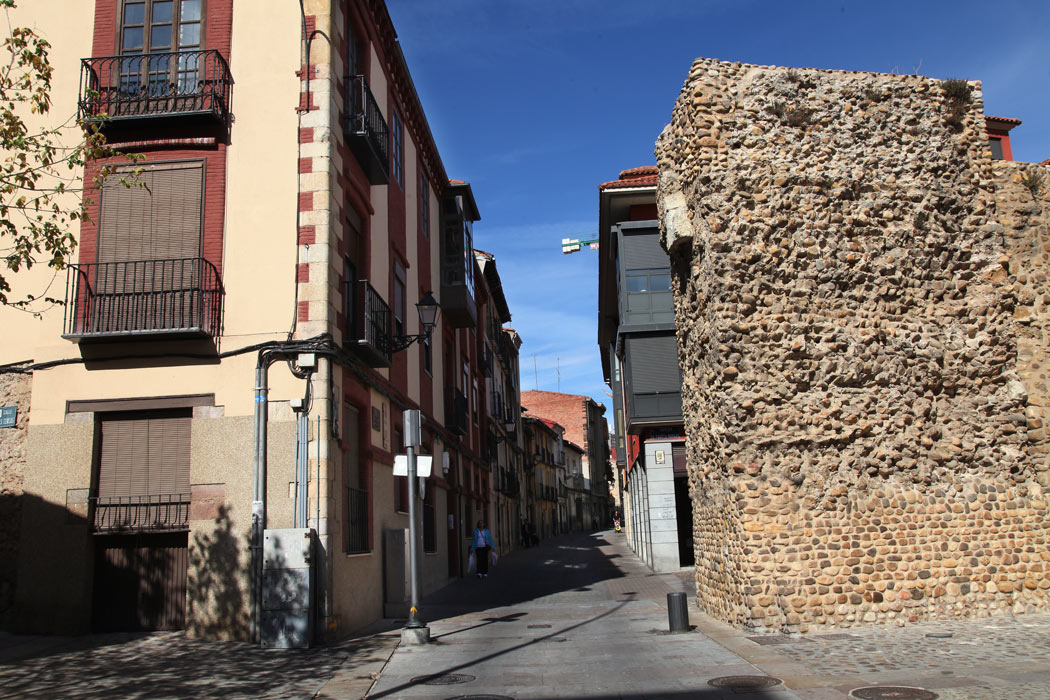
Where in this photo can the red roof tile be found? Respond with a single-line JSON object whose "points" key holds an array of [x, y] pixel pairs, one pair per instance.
{"points": [[644, 176], [1008, 120]]}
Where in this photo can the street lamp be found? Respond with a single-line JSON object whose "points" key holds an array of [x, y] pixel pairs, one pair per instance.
{"points": [[428, 310]]}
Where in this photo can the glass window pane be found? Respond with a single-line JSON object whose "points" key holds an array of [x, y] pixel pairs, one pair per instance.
{"points": [[996, 145], [132, 38], [189, 35], [161, 11], [160, 37], [660, 282], [191, 10], [134, 13], [637, 283]]}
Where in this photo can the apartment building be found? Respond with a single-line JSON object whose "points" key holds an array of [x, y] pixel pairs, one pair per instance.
{"points": [[543, 463], [584, 423], [502, 447], [242, 333], [639, 351]]}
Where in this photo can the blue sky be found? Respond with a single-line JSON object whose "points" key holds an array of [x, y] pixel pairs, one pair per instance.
{"points": [[536, 102]]}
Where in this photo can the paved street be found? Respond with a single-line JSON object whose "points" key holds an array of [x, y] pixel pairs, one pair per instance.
{"points": [[577, 617]]}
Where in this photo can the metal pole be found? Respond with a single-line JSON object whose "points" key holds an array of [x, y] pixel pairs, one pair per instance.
{"points": [[413, 529]]}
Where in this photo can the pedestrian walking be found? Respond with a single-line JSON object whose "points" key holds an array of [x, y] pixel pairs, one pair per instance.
{"points": [[481, 546]]}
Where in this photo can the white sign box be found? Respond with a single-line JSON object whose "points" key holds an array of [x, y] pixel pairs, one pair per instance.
{"points": [[424, 463]]}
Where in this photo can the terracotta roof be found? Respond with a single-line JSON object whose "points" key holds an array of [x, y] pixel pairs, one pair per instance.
{"points": [[1045, 162], [1008, 120], [644, 176]]}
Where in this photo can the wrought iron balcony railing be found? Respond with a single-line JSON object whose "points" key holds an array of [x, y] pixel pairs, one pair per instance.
{"points": [[168, 512], [182, 296], [368, 333], [366, 131], [166, 84]]}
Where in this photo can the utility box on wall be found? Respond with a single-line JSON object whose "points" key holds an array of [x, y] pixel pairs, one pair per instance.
{"points": [[397, 592], [287, 595]]}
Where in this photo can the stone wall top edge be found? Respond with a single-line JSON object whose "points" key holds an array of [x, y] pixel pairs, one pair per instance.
{"points": [[741, 66]]}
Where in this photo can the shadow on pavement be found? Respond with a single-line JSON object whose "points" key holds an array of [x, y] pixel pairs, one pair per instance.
{"points": [[557, 565], [168, 665]]}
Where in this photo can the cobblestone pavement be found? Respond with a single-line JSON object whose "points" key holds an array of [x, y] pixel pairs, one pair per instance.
{"points": [[168, 666], [991, 658]]}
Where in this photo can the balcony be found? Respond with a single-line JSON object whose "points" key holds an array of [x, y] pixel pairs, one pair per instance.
{"points": [[194, 85], [368, 332], [164, 298], [366, 131], [152, 513]]}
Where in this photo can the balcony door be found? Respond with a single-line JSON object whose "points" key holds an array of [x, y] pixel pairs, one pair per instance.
{"points": [[153, 34], [149, 272]]}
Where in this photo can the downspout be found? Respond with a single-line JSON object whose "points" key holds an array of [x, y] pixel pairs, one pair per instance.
{"points": [[258, 491]]}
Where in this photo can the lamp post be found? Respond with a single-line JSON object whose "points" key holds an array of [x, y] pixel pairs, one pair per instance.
{"points": [[415, 631]]}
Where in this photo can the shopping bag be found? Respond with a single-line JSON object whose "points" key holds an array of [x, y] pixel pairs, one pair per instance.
{"points": [[495, 558], [472, 563]]}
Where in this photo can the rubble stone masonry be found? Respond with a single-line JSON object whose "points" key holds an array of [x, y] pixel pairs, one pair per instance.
{"points": [[14, 391], [862, 309]]}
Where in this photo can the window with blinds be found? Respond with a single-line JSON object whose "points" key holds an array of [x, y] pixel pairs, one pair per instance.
{"points": [[150, 274], [157, 218], [144, 471]]}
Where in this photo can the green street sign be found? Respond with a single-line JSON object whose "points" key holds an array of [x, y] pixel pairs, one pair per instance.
{"points": [[8, 416]]}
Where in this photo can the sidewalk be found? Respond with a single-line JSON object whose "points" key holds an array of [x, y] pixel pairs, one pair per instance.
{"points": [[577, 617]]}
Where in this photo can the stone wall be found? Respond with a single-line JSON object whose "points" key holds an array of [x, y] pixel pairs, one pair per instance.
{"points": [[860, 309], [14, 391]]}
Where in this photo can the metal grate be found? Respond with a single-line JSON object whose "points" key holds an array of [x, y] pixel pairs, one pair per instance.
{"points": [[768, 639]]}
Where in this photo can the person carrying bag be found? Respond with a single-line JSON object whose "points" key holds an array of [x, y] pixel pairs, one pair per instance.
{"points": [[481, 545]]}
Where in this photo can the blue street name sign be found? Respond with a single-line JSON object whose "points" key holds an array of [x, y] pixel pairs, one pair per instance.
{"points": [[8, 416]]}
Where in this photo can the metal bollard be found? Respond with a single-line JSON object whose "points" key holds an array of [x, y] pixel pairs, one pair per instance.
{"points": [[677, 613]]}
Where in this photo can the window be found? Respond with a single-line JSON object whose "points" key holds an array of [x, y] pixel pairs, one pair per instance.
{"points": [[356, 532], [474, 400], [144, 471], [996, 145], [150, 31], [397, 150], [399, 300], [149, 275], [351, 332], [429, 519], [424, 205], [648, 281], [400, 482]]}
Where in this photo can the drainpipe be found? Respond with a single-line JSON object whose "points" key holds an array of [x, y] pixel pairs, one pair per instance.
{"points": [[258, 492]]}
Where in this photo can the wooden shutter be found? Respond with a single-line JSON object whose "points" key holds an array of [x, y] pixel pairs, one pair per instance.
{"points": [[157, 218], [124, 458], [144, 470]]}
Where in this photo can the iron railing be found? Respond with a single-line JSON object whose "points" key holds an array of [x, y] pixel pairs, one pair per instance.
{"points": [[366, 131], [155, 512], [356, 520], [177, 296], [159, 84], [368, 333]]}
